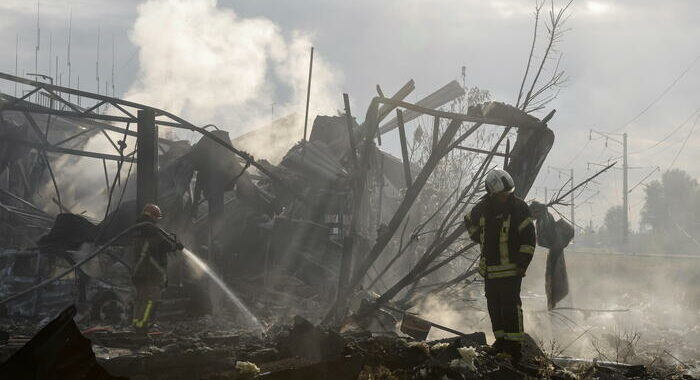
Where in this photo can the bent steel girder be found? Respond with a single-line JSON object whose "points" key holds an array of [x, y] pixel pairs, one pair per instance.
{"points": [[123, 114]]}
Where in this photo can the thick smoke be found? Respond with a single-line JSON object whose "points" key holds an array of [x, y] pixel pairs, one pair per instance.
{"points": [[616, 297], [208, 65]]}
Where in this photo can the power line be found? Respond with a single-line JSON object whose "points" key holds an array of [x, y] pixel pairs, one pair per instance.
{"points": [[644, 179], [684, 142], [576, 156], [588, 199], [625, 170], [681, 125], [663, 93]]}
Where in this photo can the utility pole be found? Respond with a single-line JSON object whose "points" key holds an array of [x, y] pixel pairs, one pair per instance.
{"points": [[16, 59], [113, 88], [51, 53], [625, 193], [570, 174], [573, 219], [70, 32], [36, 47], [55, 75], [97, 67]]}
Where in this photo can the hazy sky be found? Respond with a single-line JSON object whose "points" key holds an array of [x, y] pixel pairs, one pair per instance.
{"points": [[620, 57]]}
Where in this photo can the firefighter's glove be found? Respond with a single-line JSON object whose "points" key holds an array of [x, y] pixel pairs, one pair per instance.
{"points": [[177, 245]]}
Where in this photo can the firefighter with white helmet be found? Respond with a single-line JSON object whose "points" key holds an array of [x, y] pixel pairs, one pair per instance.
{"points": [[501, 223]]}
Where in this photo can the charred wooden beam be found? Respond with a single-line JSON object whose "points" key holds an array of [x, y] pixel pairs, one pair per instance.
{"points": [[505, 158], [407, 202], [436, 133], [438, 98], [404, 149], [351, 136], [482, 151], [359, 180], [450, 115], [403, 92]]}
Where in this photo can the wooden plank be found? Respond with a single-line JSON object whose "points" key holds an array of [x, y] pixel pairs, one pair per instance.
{"points": [[475, 150], [351, 136], [447, 115], [436, 133], [438, 98], [403, 92], [404, 149], [505, 158], [359, 181]]}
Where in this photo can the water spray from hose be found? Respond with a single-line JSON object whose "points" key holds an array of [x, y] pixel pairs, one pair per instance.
{"points": [[188, 254], [194, 259]]}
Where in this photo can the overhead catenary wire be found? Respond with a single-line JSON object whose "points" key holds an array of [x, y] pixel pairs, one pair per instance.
{"points": [[577, 155], [560, 198], [567, 219], [661, 95], [670, 134], [585, 201], [692, 129], [644, 179]]}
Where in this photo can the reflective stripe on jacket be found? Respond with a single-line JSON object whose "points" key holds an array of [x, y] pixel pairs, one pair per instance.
{"points": [[506, 234], [151, 254]]}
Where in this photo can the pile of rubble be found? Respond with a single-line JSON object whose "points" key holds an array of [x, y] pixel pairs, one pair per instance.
{"points": [[296, 234], [212, 348]]}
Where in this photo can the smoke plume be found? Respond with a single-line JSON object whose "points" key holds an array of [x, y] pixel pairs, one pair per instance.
{"points": [[209, 65]]}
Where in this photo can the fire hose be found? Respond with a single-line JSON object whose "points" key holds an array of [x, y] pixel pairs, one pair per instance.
{"points": [[92, 256]]}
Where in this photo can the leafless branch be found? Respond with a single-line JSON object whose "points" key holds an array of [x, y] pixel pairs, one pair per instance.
{"points": [[538, 10], [555, 30]]}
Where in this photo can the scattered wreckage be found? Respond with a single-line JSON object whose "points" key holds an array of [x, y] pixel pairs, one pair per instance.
{"points": [[297, 237], [216, 349], [311, 215]]}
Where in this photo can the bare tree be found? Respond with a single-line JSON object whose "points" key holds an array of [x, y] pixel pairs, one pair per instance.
{"points": [[540, 94], [442, 168], [444, 244]]}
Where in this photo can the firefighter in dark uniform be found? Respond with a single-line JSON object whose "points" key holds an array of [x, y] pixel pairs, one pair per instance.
{"points": [[502, 225], [150, 276]]}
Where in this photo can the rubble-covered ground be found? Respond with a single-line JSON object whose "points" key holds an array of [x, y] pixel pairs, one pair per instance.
{"points": [[218, 348], [631, 327]]}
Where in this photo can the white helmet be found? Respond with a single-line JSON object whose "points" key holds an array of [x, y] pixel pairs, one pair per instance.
{"points": [[498, 181]]}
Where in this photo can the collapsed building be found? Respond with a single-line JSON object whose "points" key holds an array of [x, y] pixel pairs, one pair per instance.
{"points": [[303, 233]]}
